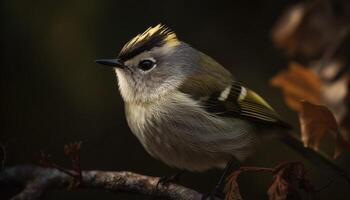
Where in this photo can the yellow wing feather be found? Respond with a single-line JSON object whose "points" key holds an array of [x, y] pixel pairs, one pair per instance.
{"points": [[253, 105]]}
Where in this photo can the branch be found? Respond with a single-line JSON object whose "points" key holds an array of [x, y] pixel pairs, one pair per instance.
{"points": [[37, 180]]}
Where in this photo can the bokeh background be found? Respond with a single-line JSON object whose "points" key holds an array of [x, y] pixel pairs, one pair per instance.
{"points": [[52, 92]]}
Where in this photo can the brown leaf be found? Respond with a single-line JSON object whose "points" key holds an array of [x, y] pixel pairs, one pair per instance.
{"points": [[315, 122], [290, 182], [308, 28], [284, 33], [231, 189], [72, 151], [298, 83]]}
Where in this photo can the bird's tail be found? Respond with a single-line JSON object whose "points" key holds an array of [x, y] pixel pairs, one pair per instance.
{"points": [[316, 158]]}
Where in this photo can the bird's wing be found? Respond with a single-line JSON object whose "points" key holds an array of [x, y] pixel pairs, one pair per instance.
{"points": [[220, 95], [237, 101]]}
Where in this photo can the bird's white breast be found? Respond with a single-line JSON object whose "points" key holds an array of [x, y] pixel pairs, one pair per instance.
{"points": [[179, 132]]}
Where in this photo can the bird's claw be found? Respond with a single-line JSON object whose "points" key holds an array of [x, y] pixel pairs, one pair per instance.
{"points": [[167, 179]]}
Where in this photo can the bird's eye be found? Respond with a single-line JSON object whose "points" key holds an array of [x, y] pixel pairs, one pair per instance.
{"points": [[146, 65]]}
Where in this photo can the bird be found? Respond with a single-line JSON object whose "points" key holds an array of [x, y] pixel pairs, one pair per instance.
{"points": [[185, 108]]}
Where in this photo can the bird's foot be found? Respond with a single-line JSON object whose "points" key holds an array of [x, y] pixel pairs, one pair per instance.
{"points": [[169, 179], [165, 180], [217, 191]]}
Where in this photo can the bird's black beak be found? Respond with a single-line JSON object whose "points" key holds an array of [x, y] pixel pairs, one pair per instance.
{"points": [[111, 62]]}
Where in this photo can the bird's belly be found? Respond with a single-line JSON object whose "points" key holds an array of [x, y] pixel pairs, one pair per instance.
{"points": [[178, 152], [187, 139]]}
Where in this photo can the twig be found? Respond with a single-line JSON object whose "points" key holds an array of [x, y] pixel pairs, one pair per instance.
{"points": [[37, 180], [256, 169], [72, 151]]}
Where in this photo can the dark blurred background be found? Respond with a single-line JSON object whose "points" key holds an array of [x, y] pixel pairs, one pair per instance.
{"points": [[52, 92]]}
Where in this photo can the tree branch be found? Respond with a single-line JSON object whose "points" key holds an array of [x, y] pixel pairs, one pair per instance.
{"points": [[37, 180]]}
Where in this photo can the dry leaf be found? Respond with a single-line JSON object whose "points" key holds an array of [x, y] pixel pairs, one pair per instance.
{"points": [[302, 93], [290, 182], [231, 188], [285, 31], [308, 28], [298, 83], [315, 122], [72, 151]]}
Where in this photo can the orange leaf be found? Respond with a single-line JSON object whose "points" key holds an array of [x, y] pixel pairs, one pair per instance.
{"points": [[315, 122], [298, 83]]}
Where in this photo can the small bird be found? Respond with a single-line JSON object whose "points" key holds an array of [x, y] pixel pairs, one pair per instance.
{"points": [[185, 108]]}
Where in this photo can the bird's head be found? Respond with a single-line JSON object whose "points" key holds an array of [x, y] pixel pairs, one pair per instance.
{"points": [[152, 65]]}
